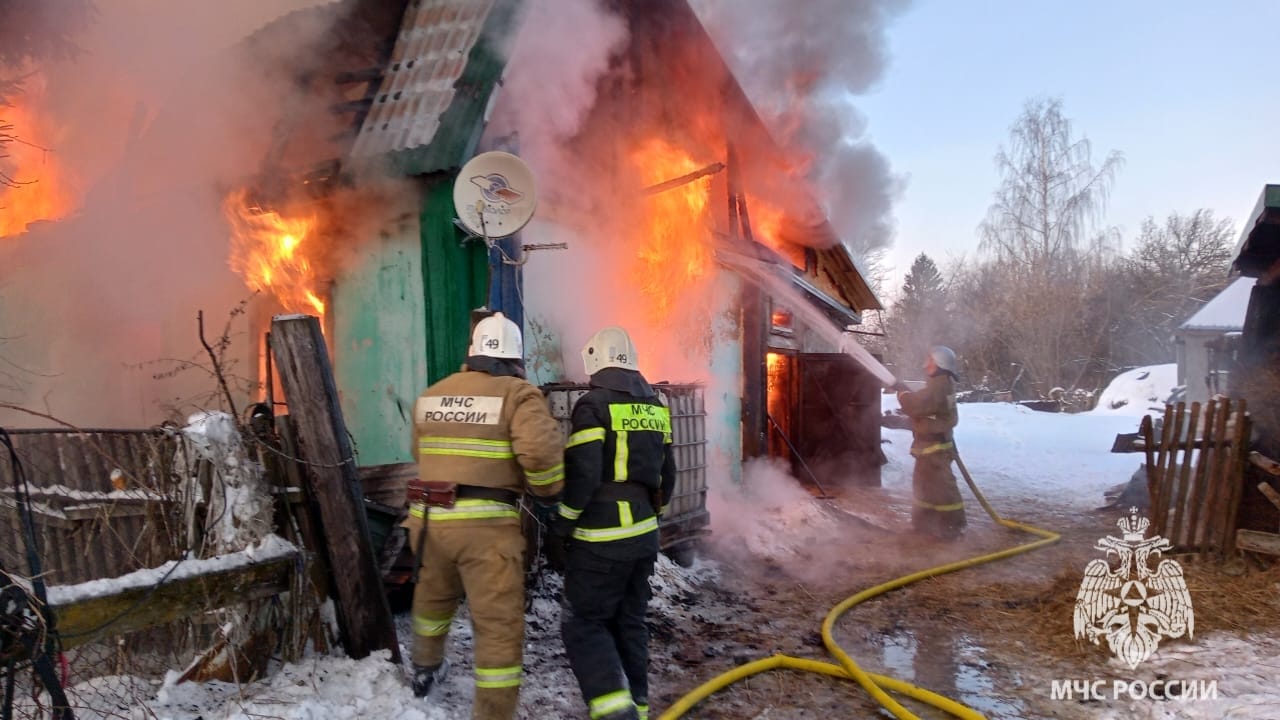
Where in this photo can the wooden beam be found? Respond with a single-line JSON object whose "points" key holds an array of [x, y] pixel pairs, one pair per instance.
{"points": [[1259, 542], [302, 360], [1266, 463], [85, 620], [1270, 493]]}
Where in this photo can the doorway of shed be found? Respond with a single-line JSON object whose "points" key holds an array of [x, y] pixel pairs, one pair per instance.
{"points": [[823, 418]]}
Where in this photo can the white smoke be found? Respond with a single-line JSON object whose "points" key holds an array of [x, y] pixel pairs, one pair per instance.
{"points": [[550, 84], [802, 64]]}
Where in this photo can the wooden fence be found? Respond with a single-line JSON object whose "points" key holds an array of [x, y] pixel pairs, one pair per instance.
{"points": [[1195, 474]]}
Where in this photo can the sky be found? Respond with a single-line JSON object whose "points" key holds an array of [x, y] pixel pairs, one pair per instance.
{"points": [[1000, 441], [1179, 87]]}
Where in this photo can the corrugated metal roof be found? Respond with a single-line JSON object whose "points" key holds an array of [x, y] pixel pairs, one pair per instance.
{"points": [[430, 56], [1226, 311]]}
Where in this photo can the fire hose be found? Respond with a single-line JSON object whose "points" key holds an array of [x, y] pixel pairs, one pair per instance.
{"points": [[874, 684]]}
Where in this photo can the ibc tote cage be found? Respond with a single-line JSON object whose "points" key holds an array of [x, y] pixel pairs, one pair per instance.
{"points": [[687, 517]]}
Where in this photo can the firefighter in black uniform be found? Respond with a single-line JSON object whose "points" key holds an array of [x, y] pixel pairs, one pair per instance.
{"points": [[619, 470]]}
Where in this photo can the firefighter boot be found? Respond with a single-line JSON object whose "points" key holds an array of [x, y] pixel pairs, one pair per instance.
{"points": [[426, 679], [495, 703]]}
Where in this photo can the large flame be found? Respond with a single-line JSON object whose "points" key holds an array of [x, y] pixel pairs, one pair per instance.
{"points": [[673, 249], [275, 254], [33, 183]]}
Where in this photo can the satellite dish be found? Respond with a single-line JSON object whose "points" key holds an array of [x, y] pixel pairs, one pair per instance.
{"points": [[495, 194]]}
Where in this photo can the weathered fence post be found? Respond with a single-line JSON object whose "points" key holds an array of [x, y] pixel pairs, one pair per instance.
{"points": [[302, 360]]}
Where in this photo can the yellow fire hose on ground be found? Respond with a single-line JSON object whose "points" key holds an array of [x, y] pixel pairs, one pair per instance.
{"points": [[874, 684]]}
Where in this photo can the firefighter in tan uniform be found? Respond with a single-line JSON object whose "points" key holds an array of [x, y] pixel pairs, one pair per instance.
{"points": [[483, 436], [938, 509]]}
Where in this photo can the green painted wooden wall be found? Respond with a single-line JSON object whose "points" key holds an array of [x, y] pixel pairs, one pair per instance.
{"points": [[380, 360], [455, 276], [402, 320]]}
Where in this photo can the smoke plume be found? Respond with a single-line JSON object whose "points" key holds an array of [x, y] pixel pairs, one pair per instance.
{"points": [[549, 87], [802, 65]]}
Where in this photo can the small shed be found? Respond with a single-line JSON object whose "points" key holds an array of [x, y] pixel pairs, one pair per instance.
{"points": [[1205, 339]]}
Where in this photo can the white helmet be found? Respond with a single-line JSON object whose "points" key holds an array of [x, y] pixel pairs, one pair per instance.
{"points": [[944, 358], [609, 347], [497, 337]]}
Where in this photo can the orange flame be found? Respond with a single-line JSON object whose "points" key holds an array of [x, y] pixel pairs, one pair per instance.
{"points": [[766, 229], [33, 184], [672, 254], [274, 253]]}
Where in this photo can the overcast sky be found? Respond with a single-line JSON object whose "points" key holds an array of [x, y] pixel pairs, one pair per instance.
{"points": [[1183, 88]]}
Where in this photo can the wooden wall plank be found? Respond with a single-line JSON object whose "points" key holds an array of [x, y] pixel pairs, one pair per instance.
{"points": [[1188, 538], [95, 618]]}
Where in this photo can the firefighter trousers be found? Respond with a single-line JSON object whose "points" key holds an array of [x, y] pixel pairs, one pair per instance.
{"points": [[485, 564], [938, 508], [604, 631]]}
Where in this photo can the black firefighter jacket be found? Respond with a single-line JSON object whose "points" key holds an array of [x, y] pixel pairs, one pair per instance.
{"points": [[617, 460]]}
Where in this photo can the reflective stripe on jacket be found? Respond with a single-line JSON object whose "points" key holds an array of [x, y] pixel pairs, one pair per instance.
{"points": [[617, 457], [495, 431]]}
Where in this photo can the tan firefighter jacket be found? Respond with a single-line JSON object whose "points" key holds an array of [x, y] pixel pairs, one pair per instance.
{"points": [[491, 431], [932, 410]]}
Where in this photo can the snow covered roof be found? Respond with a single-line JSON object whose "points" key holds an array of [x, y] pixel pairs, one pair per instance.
{"points": [[1225, 311]]}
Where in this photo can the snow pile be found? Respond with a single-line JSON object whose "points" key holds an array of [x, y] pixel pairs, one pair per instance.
{"points": [[269, 548], [328, 687], [673, 586], [1139, 391]]}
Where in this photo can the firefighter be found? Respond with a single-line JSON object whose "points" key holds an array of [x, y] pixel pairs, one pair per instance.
{"points": [[938, 510], [483, 437], [619, 472]]}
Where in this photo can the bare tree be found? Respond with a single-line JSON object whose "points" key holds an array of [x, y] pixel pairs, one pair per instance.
{"points": [[1175, 268], [1051, 196], [1044, 250]]}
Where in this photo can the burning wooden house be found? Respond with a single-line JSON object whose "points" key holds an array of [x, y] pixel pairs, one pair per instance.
{"points": [[673, 213]]}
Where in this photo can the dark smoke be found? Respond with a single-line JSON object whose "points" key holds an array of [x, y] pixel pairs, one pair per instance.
{"points": [[802, 64]]}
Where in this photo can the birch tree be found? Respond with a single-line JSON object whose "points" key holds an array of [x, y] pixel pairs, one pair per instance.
{"points": [[1042, 238]]}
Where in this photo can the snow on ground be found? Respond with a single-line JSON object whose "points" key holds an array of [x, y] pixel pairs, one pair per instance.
{"points": [[326, 687], [1016, 455], [1022, 455]]}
